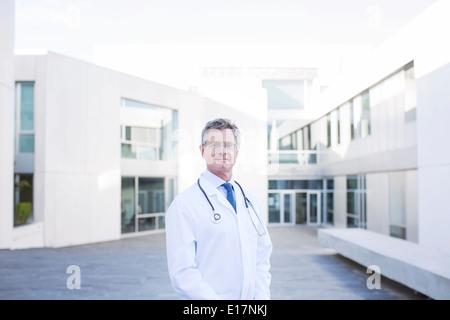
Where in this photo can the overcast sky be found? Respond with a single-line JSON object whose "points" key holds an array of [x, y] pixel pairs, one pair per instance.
{"points": [[77, 28], [74, 27]]}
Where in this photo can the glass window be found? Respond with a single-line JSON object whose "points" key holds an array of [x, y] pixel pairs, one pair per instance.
{"points": [[151, 195], [397, 204], [328, 130], [356, 201], [330, 184], [269, 134], [27, 106], [306, 137], [352, 121], [274, 208], [287, 208], [338, 120], [26, 143], [410, 95], [143, 203], [329, 208], [23, 199], [128, 205], [156, 141], [146, 224], [296, 184], [285, 143], [24, 117], [287, 94], [365, 114]]}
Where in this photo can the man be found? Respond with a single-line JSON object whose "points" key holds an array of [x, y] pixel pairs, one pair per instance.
{"points": [[217, 243]]}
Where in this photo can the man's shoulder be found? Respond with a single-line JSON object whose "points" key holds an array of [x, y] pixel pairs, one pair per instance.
{"points": [[187, 193]]}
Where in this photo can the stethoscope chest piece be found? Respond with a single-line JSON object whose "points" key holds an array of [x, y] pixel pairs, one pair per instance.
{"points": [[216, 217]]}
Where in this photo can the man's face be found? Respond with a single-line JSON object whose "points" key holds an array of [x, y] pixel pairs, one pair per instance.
{"points": [[220, 151]]}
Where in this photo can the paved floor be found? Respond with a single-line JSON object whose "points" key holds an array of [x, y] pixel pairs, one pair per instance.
{"points": [[135, 268]]}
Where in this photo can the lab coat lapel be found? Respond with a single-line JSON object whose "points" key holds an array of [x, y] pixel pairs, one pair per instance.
{"points": [[215, 195]]}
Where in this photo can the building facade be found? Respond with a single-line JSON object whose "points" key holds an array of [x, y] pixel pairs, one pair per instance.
{"points": [[7, 12], [375, 158], [90, 154], [99, 154]]}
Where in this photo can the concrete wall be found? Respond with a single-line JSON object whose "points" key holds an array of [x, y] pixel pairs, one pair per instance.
{"points": [[340, 201], [7, 13], [416, 147], [422, 40], [434, 159]]}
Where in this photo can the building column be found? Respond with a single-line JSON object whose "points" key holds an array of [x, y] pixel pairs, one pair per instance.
{"points": [[7, 13]]}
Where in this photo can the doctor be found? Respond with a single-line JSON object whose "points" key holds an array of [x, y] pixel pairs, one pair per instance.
{"points": [[217, 242]]}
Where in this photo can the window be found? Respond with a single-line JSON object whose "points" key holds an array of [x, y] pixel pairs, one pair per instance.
{"points": [[24, 142], [397, 204], [410, 95], [287, 94], [365, 114], [356, 201], [306, 138], [144, 203], [329, 202], [274, 207], [328, 130], [338, 120], [140, 143], [296, 184], [360, 116], [23, 199], [155, 140], [352, 121]]}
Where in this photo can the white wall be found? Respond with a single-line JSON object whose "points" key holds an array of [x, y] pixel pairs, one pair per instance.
{"points": [[7, 10], [422, 41], [77, 167], [412, 205], [434, 158], [377, 195], [340, 201]]}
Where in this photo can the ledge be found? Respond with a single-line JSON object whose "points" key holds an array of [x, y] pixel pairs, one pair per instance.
{"points": [[422, 269]]}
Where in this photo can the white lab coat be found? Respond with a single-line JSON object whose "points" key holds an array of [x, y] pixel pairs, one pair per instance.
{"points": [[227, 260]]}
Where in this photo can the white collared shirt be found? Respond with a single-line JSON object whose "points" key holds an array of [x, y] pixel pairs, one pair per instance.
{"points": [[217, 182]]}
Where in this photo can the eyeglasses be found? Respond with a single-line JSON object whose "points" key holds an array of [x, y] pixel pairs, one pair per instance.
{"points": [[216, 145]]}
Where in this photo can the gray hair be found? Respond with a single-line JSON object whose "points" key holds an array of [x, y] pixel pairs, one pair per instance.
{"points": [[222, 124]]}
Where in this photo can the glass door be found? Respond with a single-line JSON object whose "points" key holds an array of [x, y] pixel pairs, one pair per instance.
{"points": [[313, 215], [301, 207], [274, 207], [307, 208], [295, 207]]}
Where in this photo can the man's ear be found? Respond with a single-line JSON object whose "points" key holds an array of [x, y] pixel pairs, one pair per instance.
{"points": [[202, 150]]}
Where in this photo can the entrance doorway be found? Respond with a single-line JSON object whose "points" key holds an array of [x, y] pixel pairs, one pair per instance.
{"points": [[295, 207]]}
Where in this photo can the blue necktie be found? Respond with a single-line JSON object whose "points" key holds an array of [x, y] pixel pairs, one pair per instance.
{"points": [[230, 196]]}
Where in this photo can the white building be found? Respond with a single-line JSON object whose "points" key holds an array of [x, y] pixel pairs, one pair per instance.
{"points": [[377, 157], [7, 11], [99, 154], [90, 154]]}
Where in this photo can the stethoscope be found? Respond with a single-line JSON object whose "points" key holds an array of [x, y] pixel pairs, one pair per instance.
{"points": [[217, 218]]}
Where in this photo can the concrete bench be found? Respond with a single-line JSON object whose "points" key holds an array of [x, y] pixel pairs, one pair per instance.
{"points": [[422, 269]]}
